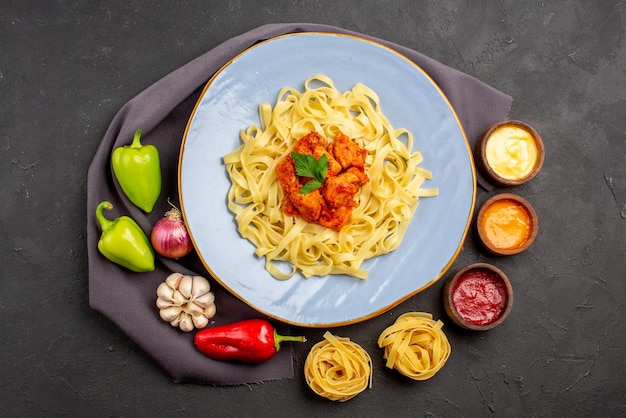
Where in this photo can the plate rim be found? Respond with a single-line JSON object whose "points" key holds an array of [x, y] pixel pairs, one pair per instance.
{"points": [[397, 302]]}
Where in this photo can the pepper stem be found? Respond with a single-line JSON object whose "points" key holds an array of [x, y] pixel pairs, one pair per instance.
{"points": [[278, 339], [137, 140], [104, 222]]}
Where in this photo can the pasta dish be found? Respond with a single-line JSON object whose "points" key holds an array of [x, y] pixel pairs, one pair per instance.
{"points": [[383, 205]]}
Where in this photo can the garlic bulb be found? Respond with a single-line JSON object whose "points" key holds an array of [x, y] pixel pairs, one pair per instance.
{"points": [[186, 301]]}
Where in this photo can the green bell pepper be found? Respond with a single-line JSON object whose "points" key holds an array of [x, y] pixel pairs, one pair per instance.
{"points": [[137, 168], [124, 242]]}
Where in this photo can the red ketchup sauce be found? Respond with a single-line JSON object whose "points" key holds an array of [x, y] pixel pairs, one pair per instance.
{"points": [[479, 296]]}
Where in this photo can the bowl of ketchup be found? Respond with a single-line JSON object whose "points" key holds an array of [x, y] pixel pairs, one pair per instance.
{"points": [[478, 297]]}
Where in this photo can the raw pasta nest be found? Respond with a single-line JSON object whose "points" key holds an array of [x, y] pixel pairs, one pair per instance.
{"points": [[337, 368], [385, 205], [415, 345]]}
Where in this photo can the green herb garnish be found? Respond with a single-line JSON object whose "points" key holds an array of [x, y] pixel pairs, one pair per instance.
{"points": [[309, 166]]}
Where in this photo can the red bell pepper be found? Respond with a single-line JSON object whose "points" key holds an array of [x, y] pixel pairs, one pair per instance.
{"points": [[250, 341]]}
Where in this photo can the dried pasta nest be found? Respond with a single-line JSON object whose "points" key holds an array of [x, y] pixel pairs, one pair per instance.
{"points": [[415, 345], [337, 368]]}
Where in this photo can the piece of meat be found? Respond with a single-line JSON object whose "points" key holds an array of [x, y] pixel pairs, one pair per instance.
{"points": [[339, 191], [355, 175], [287, 178], [347, 152], [336, 218], [314, 144], [288, 208], [309, 205], [309, 142]]}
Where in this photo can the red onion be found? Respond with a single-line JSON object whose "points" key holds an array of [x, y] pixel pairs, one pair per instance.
{"points": [[170, 237]]}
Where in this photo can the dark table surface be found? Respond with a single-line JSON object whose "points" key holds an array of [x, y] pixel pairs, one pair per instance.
{"points": [[67, 67]]}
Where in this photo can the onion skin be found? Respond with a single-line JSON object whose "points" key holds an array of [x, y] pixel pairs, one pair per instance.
{"points": [[170, 237]]}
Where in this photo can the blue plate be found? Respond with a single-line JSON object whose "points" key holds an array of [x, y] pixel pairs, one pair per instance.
{"points": [[409, 99]]}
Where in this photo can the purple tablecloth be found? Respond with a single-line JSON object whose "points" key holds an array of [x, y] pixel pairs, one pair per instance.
{"points": [[162, 110]]}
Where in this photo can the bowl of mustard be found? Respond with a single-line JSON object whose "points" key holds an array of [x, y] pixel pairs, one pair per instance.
{"points": [[509, 153]]}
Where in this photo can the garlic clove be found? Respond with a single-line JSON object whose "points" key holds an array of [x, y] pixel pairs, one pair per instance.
{"points": [[162, 303], [209, 311], [173, 279], [164, 291], [185, 285], [186, 322], [170, 314], [193, 309], [179, 299], [165, 297], [205, 300], [200, 286], [200, 321]]}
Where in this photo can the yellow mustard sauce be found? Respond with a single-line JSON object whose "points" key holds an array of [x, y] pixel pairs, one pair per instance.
{"points": [[511, 152]]}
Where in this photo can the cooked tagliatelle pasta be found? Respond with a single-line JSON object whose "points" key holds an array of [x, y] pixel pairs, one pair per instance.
{"points": [[384, 206], [415, 345], [337, 368]]}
